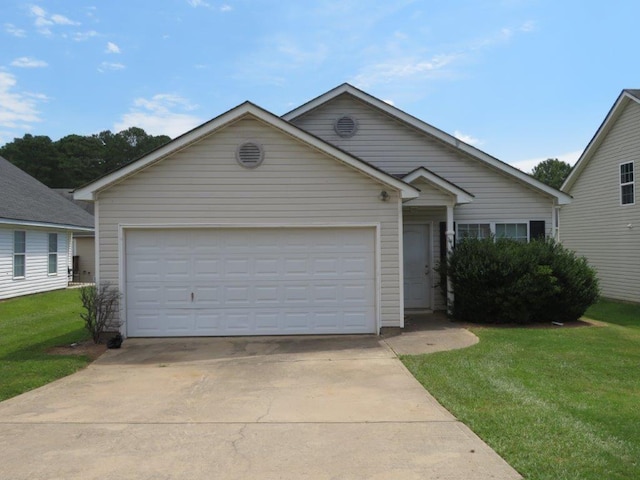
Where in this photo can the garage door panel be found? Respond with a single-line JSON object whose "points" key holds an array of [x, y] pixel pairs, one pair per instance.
{"points": [[245, 282]]}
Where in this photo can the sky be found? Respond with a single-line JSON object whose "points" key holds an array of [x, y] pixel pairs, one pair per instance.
{"points": [[523, 80]]}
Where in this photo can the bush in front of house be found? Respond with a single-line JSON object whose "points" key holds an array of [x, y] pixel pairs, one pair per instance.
{"points": [[504, 281]]}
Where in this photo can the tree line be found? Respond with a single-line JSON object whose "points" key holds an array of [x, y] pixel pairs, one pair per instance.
{"points": [[75, 160]]}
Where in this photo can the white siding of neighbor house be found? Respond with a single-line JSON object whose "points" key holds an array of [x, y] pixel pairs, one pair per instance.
{"points": [[398, 149], [295, 186], [37, 278], [595, 224]]}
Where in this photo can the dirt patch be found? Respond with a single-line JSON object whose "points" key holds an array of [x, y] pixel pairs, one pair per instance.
{"points": [[88, 348]]}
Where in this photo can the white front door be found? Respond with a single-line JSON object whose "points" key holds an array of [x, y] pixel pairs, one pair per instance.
{"points": [[417, 269]]}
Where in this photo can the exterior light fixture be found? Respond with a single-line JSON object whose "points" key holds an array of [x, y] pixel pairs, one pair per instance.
{"points": [[384, 196]]}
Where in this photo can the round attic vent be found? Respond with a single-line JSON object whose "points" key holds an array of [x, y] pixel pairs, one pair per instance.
{"points": [[346, 126], [250, 155]]}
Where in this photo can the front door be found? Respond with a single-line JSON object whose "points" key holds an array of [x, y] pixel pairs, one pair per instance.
{"points": [[417, 270]]}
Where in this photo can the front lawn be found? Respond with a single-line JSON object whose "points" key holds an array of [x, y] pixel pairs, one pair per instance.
{"points": [[31, 325], [555, 403]]}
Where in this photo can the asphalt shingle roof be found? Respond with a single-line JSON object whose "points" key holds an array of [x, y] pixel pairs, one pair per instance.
{"points": [[23, 198]]}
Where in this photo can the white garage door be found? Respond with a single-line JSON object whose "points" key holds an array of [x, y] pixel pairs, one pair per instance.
{"points": [[250, 281]]}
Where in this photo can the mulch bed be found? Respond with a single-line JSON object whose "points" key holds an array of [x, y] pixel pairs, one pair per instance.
{"points": [[87, 348]]}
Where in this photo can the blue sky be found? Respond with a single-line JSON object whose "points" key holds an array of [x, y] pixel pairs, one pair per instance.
{"points": [[523, 80]]}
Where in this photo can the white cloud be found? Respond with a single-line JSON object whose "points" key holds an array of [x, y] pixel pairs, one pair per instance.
{"points": [[43, 21], [162, 114], [82, 36], [62, 20], [11, 29], [467, 138], [226, 8], [17, 109], [28, 62], [404, 68], [110, 66], [112, 48], [198, 3], [527, 165]]}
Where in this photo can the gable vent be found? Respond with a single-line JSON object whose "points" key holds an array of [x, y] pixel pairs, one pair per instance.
{"points": [[250, 155], [346, 126]]}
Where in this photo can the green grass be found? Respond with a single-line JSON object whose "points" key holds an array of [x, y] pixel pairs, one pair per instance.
{"points": [[28, 327], [555, 403]]}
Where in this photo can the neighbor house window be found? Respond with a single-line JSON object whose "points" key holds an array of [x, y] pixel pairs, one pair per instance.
{"points": [[53, 253], [19, 251], [627, 184], [514, 231], [474, 230]]}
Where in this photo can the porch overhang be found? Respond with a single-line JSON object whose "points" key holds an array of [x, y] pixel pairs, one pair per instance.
{"points": [[422, 174]]}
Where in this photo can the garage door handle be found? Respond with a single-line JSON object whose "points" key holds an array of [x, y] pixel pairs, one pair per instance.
{"points": [[192, 296]]}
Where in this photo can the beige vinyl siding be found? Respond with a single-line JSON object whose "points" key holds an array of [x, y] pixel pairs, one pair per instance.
{"points": [[295, 185], [398, 149], [430, 196], [85, 250], [595, 224], [37, 278]]}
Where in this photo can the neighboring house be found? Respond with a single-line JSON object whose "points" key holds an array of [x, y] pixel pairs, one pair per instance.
{"points": [[84, 245], [602, 222], [329, 219], [36, 227]]}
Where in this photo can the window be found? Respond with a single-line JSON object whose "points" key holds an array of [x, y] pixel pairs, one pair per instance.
{"points": [[53, 253], [627, 183], [514, 231], [474, 230], [19, 251]]}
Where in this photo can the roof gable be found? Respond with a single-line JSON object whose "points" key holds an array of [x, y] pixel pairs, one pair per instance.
{"points": [[89, 191], [417, 124], [460, 194], [625, 98], [26, 201]]}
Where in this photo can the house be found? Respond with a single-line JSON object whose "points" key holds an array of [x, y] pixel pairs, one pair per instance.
{"points": [[602, 223], [329, 219], [36, 228], [84, 245]]}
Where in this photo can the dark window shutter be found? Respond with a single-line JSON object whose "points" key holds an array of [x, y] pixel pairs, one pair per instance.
{"points": [[536, 230], [443, 240]]}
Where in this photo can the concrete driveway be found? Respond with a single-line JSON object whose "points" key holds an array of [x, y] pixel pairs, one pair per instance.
{"points": [[240, 408]]}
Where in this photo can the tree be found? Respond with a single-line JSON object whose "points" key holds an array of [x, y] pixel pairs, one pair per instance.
{"points": [[81, 158], [75, 160], [36, 155], [552, 171]]}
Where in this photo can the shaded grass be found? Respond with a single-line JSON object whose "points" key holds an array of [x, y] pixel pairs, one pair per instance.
{"points": [[556, 404], [626, 314], [29, 326]]}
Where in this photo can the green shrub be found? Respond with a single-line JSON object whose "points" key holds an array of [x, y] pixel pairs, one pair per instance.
{"points": [[505, 281]]}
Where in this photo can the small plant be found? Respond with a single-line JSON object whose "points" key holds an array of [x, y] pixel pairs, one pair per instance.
{"points": [[101, 305]]}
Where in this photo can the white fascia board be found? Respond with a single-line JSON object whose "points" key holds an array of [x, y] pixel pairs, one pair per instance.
{"points": [[57, 226], [461, 195], [623, 99], [88, 192], [561, 197]]}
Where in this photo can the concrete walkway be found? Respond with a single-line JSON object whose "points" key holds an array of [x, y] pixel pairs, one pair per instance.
{"points": [[243, 408]]}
